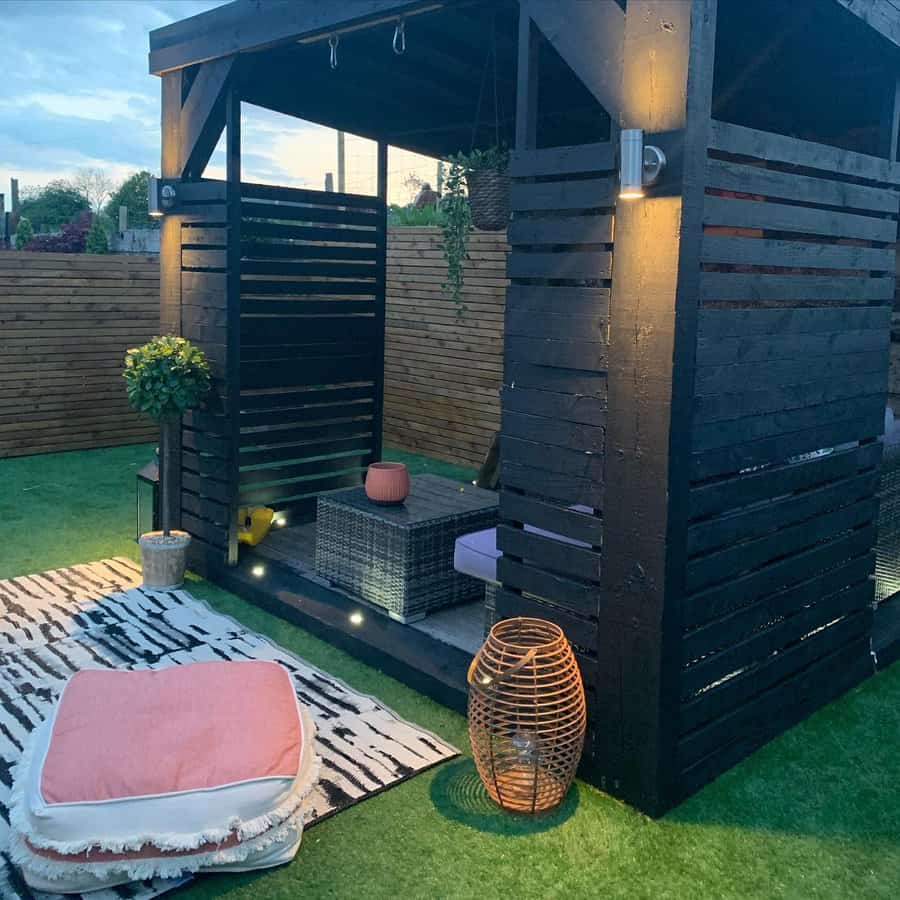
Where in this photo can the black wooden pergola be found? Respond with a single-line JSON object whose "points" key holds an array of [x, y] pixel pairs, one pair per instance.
{"points": [[705, 369]]}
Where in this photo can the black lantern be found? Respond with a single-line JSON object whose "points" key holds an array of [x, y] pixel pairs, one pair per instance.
{"points": [[149, 475]]}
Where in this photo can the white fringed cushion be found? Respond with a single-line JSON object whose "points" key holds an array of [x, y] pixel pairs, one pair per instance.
{"points": [[160, 771]]}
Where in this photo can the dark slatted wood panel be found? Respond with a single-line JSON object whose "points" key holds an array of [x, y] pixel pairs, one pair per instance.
{"points": [[555, 389], [797, 285], [66, 321], [207, 494], [310, 293], [443, 361]]}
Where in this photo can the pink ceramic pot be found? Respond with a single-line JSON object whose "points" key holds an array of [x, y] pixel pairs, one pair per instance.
{"points": [[387, 483]]}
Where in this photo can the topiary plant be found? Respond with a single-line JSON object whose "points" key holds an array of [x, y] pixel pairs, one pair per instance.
{"points": [[24, 233], [96, 239], [165, 378]]}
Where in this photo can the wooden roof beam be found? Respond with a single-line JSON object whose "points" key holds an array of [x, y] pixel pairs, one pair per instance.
{"points": [[254, 24], [203, 116]]}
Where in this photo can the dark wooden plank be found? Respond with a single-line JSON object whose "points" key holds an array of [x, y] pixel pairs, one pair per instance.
{"points": [[279, 330], [588, 265], [755, 348], [261, 287], [524, 376], [730, 286], [528, 323], [798, 625], [561, 486], [563, 593], [215, 535], [552, 432], [716, 323], [774, 712], [302, 433], [195, 236], [581, 632], [582, 301], [280, 212], [716, 435], [600, 157], [317, 413], [299, 452], [780, 448], [748, 620], [275, 400], [754, 179], [285, 494], [592, 193], [586, 355], [557, 459], [585, 409], [306, 306], [281, 194], [731, 561], [537, 551], [560, 230], [203, 259], [252, 229], [308, 268], [218, 514], [206, 487], [739, 140], [726, 211], [526, 510], [744, 590], [305, 468], [257, 249], [203, 116], [744, 251], [784, 510], [751, 376]]}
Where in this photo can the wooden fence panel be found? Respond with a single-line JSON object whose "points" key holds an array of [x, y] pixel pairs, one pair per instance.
{"points": [[66, 321], [443, 361]]}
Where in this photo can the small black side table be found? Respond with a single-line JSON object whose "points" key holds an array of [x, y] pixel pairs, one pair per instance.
{"points": [[401, 557]]}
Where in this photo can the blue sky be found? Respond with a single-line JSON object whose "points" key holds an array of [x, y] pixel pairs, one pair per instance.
{"points": [[76, 94]]}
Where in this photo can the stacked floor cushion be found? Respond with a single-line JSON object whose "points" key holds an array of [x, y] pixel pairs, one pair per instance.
{"points": [[139, 774]]}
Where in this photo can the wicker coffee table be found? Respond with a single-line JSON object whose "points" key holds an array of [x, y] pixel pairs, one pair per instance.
{"points": [[400, 558]]}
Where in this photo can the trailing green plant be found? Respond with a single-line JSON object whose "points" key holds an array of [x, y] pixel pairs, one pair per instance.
{"points": [[96, 238], [24, 233], [457, 212], [165, 378]]}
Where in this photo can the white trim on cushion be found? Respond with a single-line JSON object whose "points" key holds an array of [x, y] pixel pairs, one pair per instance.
{"points": [[271, 846], [207, 815]]}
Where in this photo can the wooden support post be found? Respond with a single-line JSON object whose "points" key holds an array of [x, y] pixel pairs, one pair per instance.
{"points": [[123, 219], [170, 277], [14, 195], [666, 90], [526, 92], [890, 118], [380, 290], [233, 348], [341, 163]]}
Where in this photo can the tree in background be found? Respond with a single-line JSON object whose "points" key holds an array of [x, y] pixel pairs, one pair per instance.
{"points": [[96, 238], [52, 206], [95, 186], [132, 193], [24, 233]]}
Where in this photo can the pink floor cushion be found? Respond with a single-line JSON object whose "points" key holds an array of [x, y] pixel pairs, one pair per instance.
{"points": [[156, 771]]}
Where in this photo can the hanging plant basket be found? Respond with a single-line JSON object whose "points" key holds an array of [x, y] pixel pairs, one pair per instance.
{"points": [[489, 199]]}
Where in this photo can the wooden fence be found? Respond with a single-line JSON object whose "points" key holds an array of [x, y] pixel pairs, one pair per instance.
{"points": [[443, 360], [65, 323]]}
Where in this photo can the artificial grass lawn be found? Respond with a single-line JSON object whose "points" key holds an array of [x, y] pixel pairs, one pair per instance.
{"points": [[815, 814]]}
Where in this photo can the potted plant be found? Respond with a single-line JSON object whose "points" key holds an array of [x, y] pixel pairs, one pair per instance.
{"points": [[166, 377], [476, 192]]}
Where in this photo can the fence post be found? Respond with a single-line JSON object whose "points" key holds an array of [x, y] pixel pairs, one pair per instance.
{"points": [[123, 219]]}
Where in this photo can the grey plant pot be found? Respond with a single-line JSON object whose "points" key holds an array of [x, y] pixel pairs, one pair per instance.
{"points": [[164, 559]]}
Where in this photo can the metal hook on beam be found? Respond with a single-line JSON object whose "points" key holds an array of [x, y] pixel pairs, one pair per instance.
{"points": [[333, 42], [400, 37]]}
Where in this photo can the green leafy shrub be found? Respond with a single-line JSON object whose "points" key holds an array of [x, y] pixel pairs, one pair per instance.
{"points": [[133, 194], [412, 217], [166, 377], [24, 233], [96, 238]]}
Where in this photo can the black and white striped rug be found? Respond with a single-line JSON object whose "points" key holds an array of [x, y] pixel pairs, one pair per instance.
{"points": [[95, 615]]}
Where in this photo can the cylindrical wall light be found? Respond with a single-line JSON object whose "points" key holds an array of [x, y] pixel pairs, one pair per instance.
{"points": [[639, 165], [161, 196]]}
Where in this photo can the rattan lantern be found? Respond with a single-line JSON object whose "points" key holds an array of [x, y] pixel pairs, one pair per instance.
{"points": [[526, 714]]}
